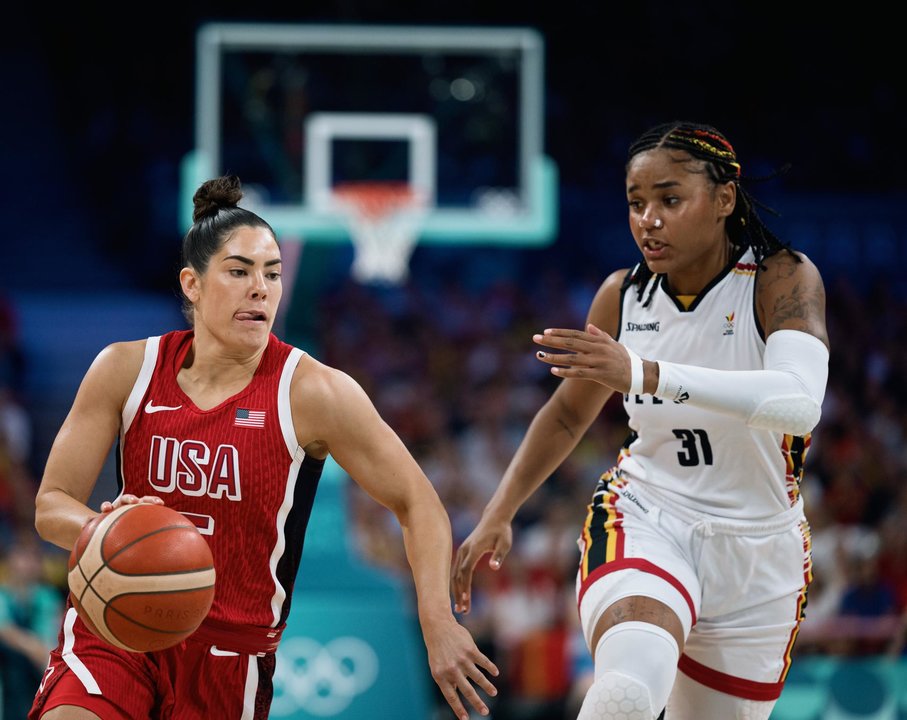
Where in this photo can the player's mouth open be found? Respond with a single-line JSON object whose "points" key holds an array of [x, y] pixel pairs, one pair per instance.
{"points": [[653, 248]]}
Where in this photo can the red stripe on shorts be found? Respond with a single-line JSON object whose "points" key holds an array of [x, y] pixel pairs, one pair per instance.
{"points": [[636, 564], [739, 687]]}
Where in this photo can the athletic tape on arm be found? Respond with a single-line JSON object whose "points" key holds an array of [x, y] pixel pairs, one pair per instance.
{"points": [[786, 396]]}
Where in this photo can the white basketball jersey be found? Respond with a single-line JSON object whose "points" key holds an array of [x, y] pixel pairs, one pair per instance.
{"points": [[702, 460]]}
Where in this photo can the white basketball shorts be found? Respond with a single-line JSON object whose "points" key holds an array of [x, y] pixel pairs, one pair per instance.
{"points": [[739, 589]]}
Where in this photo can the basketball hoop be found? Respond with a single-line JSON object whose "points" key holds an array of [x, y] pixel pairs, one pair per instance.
{"points": [[383, 219]]}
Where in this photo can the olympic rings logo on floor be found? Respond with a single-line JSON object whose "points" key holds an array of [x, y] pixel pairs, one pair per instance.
{"points": [[321, 680]]}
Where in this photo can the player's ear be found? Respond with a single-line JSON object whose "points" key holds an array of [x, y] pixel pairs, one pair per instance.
{"points": [[189, 284], [727, 199]]}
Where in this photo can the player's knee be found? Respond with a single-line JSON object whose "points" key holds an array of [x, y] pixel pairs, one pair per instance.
{"points": [[615, 696], [635, 667]]}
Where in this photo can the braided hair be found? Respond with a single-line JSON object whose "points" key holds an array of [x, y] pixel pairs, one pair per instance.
{"points": [[703, 142]]}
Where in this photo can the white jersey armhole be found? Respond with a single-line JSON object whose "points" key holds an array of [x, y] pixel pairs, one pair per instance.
{"points": [[284, 408], [141, 382]]}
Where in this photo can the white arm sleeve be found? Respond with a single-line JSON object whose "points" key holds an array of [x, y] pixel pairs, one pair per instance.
{"points": [[786, 396]]}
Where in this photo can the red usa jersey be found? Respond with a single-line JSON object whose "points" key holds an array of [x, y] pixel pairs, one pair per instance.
{"points": [[235, 470]]}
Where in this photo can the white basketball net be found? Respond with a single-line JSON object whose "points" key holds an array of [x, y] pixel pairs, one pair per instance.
{"points": [[383, 220]]}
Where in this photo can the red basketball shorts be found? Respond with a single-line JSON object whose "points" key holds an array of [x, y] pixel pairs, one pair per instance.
{"points": [[188, 681]]}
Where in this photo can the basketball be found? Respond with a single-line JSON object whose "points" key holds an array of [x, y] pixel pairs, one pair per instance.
{"points": [[141, 577]]}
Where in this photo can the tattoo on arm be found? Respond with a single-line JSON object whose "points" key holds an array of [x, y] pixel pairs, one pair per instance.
{"points": [[793, 297], [799, 309]]}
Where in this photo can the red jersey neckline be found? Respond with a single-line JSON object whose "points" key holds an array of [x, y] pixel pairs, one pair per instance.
{"points": [[184, 343]]}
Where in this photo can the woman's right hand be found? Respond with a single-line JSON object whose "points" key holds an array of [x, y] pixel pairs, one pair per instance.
{"points": [[127, 499], [495, 537]]}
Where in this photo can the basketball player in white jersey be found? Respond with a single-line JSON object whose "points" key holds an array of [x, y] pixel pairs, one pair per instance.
{"points": [[695, 554]]}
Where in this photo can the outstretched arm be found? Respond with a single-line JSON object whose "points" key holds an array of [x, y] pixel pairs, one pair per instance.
{"points": [[347, 425], [784, 396], [553, 434]]}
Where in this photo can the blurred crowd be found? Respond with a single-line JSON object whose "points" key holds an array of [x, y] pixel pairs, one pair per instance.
{"points": [[31, 582], [451, 367]]}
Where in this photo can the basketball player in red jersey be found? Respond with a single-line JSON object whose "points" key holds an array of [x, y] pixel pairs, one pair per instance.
{"points": [[230, 426]]}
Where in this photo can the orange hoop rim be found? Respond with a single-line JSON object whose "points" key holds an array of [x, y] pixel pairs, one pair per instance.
{"points": [[375, 198]]}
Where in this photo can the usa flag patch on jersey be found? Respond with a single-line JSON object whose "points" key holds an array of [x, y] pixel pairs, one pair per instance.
{"points": [[249, 418]]}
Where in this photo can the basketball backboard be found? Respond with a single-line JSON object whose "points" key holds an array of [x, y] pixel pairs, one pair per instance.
{"points": [[454, 112]]}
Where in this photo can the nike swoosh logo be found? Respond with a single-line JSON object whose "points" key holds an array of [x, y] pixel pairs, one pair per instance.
{"points": [[222, 653], [151, 408]]}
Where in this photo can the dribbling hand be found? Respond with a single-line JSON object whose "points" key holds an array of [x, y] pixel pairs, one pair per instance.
{"points": [[127, 499]]}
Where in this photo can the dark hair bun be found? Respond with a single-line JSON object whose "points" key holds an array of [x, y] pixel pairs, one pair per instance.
{"points": [[222, 192]]}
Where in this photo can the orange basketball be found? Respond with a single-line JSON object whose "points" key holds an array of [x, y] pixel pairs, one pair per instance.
{"points": [[141, 577]]}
